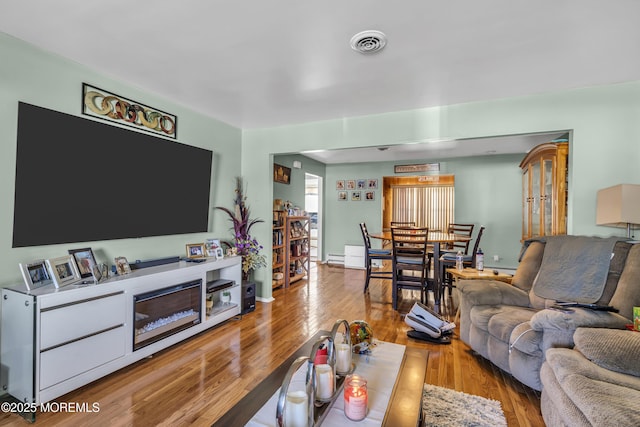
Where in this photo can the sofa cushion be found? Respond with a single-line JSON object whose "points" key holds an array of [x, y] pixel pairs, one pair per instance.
{"points": [[627, 294], [529, 265], [574, 268], [603, 396], [618, 262], [613, 349], [503, 323]]}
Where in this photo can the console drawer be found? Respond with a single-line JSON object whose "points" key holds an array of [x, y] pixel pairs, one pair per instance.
{"points": [[73, 321], [64, 362]]}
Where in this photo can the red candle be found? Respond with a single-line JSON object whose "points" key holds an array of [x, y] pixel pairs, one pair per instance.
{"points": [[355, 397]]}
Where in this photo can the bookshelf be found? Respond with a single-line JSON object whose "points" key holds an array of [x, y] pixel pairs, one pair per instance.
{"points": [[297, 245], [279, 249]]}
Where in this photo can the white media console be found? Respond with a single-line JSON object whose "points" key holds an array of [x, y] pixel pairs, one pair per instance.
{"points": [[57, 340]]}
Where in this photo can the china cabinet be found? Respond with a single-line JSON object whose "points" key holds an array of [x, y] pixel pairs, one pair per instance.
{"points": [[544, 190]]}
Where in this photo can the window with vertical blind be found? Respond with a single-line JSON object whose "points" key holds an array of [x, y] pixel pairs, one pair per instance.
{"points": [[429, 201], [431, 207]]}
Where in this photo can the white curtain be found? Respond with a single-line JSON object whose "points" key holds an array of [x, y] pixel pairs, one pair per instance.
{"points": [[431, 206]]}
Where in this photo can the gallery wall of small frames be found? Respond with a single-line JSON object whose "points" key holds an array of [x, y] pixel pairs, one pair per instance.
{"points": [[357, 189]]}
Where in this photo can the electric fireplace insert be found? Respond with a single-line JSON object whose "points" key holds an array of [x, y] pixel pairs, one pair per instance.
{"points": [[164, 312]]}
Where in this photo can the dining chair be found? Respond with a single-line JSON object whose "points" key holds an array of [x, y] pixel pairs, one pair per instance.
{"points": [[403, 223], [371, 255], [448, 260], [465, 230], [410, 261]]}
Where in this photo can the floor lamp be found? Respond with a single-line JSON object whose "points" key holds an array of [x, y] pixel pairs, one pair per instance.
{"points": [[619, 206]]}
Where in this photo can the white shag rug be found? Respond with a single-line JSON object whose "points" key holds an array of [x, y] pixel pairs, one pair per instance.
{"points": [[444, 407]]}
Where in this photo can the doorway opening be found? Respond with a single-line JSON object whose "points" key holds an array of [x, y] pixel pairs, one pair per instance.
{"points": [[313, 206]]}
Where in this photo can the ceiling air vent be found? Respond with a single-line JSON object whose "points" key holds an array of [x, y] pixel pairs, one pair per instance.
{"points": [[370, 41]]}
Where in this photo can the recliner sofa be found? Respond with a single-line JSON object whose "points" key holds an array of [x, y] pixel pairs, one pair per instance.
{"points": [[512, 325]]}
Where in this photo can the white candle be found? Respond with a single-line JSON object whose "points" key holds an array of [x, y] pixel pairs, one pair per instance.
{"points": [[343, 359], [324, 382], [295, 410]]}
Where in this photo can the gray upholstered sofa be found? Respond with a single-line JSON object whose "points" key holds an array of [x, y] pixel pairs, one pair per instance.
{"points": [[512, 326], [595, 384]]}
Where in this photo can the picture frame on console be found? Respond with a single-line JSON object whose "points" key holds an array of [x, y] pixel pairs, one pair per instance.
{"points": [[122, 265], [211, 247], [195, 250], [85, 261], [63, 270], [35, 274]]}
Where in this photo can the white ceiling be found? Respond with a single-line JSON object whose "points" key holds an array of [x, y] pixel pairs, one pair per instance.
{"points": [[256, 63]]}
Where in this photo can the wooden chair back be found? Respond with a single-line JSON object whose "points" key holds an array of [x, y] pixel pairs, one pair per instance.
{"points": [[465, 230]]}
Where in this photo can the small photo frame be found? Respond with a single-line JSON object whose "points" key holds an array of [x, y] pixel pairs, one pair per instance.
{"points": [[370, 195], [340, 184], [122, 265], [342, 195], [361, 184], [351, 184], [63, 270], [210, 247], [219, 253], [35, 274], [372, 183], [356, 196], [195, 250], [85, 261], [96, 273]]}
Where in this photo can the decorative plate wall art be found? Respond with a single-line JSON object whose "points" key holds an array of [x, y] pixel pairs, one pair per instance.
{"points": [[114, 108]]}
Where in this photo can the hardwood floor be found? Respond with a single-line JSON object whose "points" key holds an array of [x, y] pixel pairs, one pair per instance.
{"points": [[197, 381]]}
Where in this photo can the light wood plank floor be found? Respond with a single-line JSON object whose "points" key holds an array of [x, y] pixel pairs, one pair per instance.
{"points": [[197, 381]]}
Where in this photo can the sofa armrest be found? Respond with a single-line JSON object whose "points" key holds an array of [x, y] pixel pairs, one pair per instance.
{"points": [[612, 349], [559, 327], [491, 292]]}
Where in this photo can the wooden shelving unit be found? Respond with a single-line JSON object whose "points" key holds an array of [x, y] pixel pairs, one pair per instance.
{"points": [[279, 248], [298, 246]]}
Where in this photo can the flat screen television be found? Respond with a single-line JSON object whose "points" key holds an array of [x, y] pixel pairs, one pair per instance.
{"points": [[79, 180]]}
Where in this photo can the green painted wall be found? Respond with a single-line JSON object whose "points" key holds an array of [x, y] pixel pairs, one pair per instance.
{"points": [[487, 193], [295, 190], [604, 151], [40, 78]]}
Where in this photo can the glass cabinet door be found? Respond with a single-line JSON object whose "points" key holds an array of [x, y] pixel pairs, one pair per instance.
{"points": [[526, 204], [548, 196], [535, 199]]}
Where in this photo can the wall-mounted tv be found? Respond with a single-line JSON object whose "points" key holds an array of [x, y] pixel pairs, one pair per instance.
{"points": [[80, 180]]}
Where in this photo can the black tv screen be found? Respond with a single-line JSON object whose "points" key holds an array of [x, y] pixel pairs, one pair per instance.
{"points": [[80, 180]]}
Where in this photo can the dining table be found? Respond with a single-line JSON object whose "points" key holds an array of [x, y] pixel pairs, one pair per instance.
{"points": [[437, 239]]}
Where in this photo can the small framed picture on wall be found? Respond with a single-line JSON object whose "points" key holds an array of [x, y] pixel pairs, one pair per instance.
{"points": [[340, 184], [342, 195], [370, 195], [356, 196]]}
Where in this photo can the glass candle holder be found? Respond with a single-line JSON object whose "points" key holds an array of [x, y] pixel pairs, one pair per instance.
{"points": [[356, 399]]}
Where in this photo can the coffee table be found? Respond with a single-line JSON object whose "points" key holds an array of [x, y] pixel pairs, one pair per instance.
{"points": [[405, 405]]}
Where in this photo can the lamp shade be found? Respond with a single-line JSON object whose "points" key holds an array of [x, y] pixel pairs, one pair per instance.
{"points": [[618, 206]]}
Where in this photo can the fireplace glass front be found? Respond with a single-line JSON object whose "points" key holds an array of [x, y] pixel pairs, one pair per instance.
{"points": [[164, 312]]}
